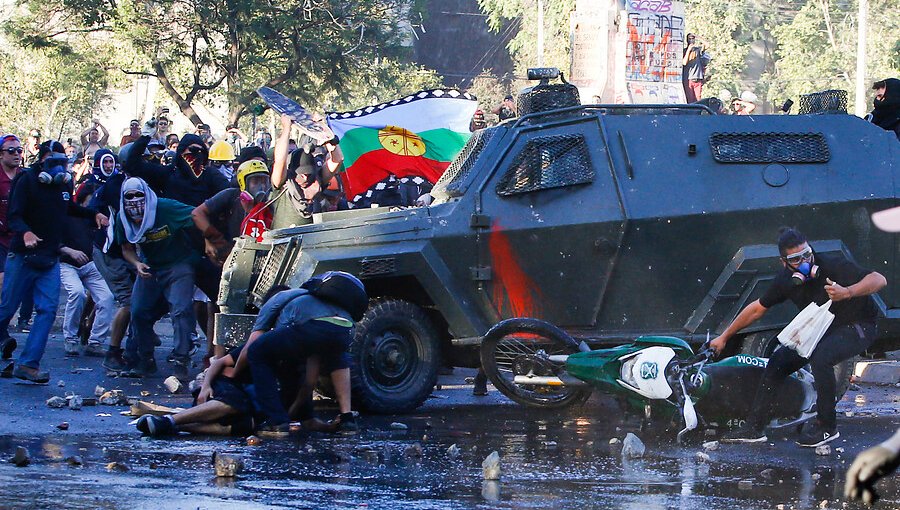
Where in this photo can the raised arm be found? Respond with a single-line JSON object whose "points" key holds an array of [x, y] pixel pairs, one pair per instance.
{"points": [[279, 165]]}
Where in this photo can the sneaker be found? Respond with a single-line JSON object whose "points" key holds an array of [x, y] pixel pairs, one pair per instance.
{"points": [[7, 347], [347, 423], [158, 426], [744, 434], [94, 350], [277, 431], [817, 435], [114, 360], [31, 374], [180, 369], [23, 326], [142, 425], [72, 347]]}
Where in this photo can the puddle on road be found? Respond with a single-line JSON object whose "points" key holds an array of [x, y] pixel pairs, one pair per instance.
{"points": [[549, 460]]}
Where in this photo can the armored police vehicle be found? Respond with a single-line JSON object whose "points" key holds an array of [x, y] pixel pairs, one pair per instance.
{"points": [[610, 221]]}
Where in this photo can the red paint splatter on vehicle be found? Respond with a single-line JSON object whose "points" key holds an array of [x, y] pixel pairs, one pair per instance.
{"points": [[513, 291]]}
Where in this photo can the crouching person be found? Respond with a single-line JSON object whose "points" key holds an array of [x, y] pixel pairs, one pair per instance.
{"points": [[225, 405], [312, 322]]}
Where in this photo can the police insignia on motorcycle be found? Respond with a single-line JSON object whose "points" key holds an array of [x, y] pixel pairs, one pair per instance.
{"points": [[808, 277]]}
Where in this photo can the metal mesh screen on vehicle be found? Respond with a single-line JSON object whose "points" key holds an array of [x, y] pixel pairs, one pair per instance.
{"points": [[769, 148], [377, 267], [544, 97], [826, 101], [548, 162], [463, 163], [270, 269]]}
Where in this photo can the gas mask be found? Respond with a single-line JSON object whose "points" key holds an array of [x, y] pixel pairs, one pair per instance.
{"points": [[803, 264], [257, 191], [55, 169], [195, 157], [134, 202]]}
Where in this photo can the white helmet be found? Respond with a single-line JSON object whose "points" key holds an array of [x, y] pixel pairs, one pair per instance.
{"points": [[749, 97], [725, 95]]}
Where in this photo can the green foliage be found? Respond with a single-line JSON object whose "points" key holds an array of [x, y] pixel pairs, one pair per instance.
{"points": [[728, 34], [523, 15]]}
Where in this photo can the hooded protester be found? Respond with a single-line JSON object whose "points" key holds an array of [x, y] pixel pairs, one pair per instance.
{"points": [[160, 227], [106, 164], [186, 179], [40, 197], [886, 113]]}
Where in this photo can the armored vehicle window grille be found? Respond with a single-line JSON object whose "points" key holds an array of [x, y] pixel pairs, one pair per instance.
{"points": [[826, 101], [377, 267], [769, 148], [464, 161], [270, 270], [548, 162]]}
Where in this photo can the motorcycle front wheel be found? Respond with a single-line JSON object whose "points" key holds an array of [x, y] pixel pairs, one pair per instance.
{"points": [[521, 346]]}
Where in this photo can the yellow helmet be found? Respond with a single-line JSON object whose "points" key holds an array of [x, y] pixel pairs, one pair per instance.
{"points": [[221, 151], [248, 168]]}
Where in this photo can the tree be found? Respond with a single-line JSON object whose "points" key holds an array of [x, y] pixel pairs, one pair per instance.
{"points": [[523, 13], [223, 50]]}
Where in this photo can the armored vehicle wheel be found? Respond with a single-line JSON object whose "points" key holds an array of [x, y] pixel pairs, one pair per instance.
{"points": [[763, 344], [396, 355], [520, 347]]}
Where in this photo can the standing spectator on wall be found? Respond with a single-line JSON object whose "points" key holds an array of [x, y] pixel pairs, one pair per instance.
{"points": [[886, 113], [32, 149], [94, 138], [695, 60], [134, 131], [506, 110]]}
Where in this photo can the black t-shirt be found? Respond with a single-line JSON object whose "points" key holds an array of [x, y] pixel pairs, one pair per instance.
{"points": [[839, 270], [244, 376], [226, 212], [287, 373]]}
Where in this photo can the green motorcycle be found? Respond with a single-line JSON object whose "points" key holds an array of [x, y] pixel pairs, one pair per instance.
{"points": [[538, 364]]}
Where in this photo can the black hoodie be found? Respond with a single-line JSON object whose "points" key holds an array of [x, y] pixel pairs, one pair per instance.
{"points": [[175, 181], [887, 111]]}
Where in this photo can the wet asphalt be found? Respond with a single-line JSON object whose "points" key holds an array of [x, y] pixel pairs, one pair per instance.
{"points": [[549, 459]]}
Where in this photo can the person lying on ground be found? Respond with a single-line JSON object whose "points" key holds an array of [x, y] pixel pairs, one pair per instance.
{"points": [[225, 406], [315, 320]]}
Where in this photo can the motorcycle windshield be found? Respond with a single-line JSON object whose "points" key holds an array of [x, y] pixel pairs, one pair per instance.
{"points": [[644, 372]]}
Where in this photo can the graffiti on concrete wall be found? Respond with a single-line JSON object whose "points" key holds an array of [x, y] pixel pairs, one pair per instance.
{"points": [[654, 41]]}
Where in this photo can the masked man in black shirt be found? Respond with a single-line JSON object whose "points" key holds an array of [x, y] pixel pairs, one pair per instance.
{"points": [[809, 277]]}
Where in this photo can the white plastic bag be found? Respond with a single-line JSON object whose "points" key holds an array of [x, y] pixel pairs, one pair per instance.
{"points": [[807, 328]]}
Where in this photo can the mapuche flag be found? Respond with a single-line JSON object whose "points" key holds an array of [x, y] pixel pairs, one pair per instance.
{"points": [[415, 136]]}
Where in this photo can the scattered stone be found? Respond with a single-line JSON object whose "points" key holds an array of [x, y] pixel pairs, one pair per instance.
{"points": [[709, 432], [745, 485], [61, 383], [145, 393], [490, 490], [453, 451], [399, 426], [823, 450], [173, 384], [63, 426], [632, 447], [117, 466], [153, 465], [848, 414], [21, 457], [614, 440], [816, 476], [768, 474], [839, 449], [823, 504], [103, 415], [75, 403], [99, 390], [56, 402], [703, 457], [74, 460], [711, 446], [227, 465], [550, 444], [253, 441], [413, 451], [113, 398], [490, 467], [425, 438]]}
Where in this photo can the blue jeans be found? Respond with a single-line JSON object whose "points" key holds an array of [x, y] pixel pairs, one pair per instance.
{"points": [[20, 281], [176, 285], [284, 350]]}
